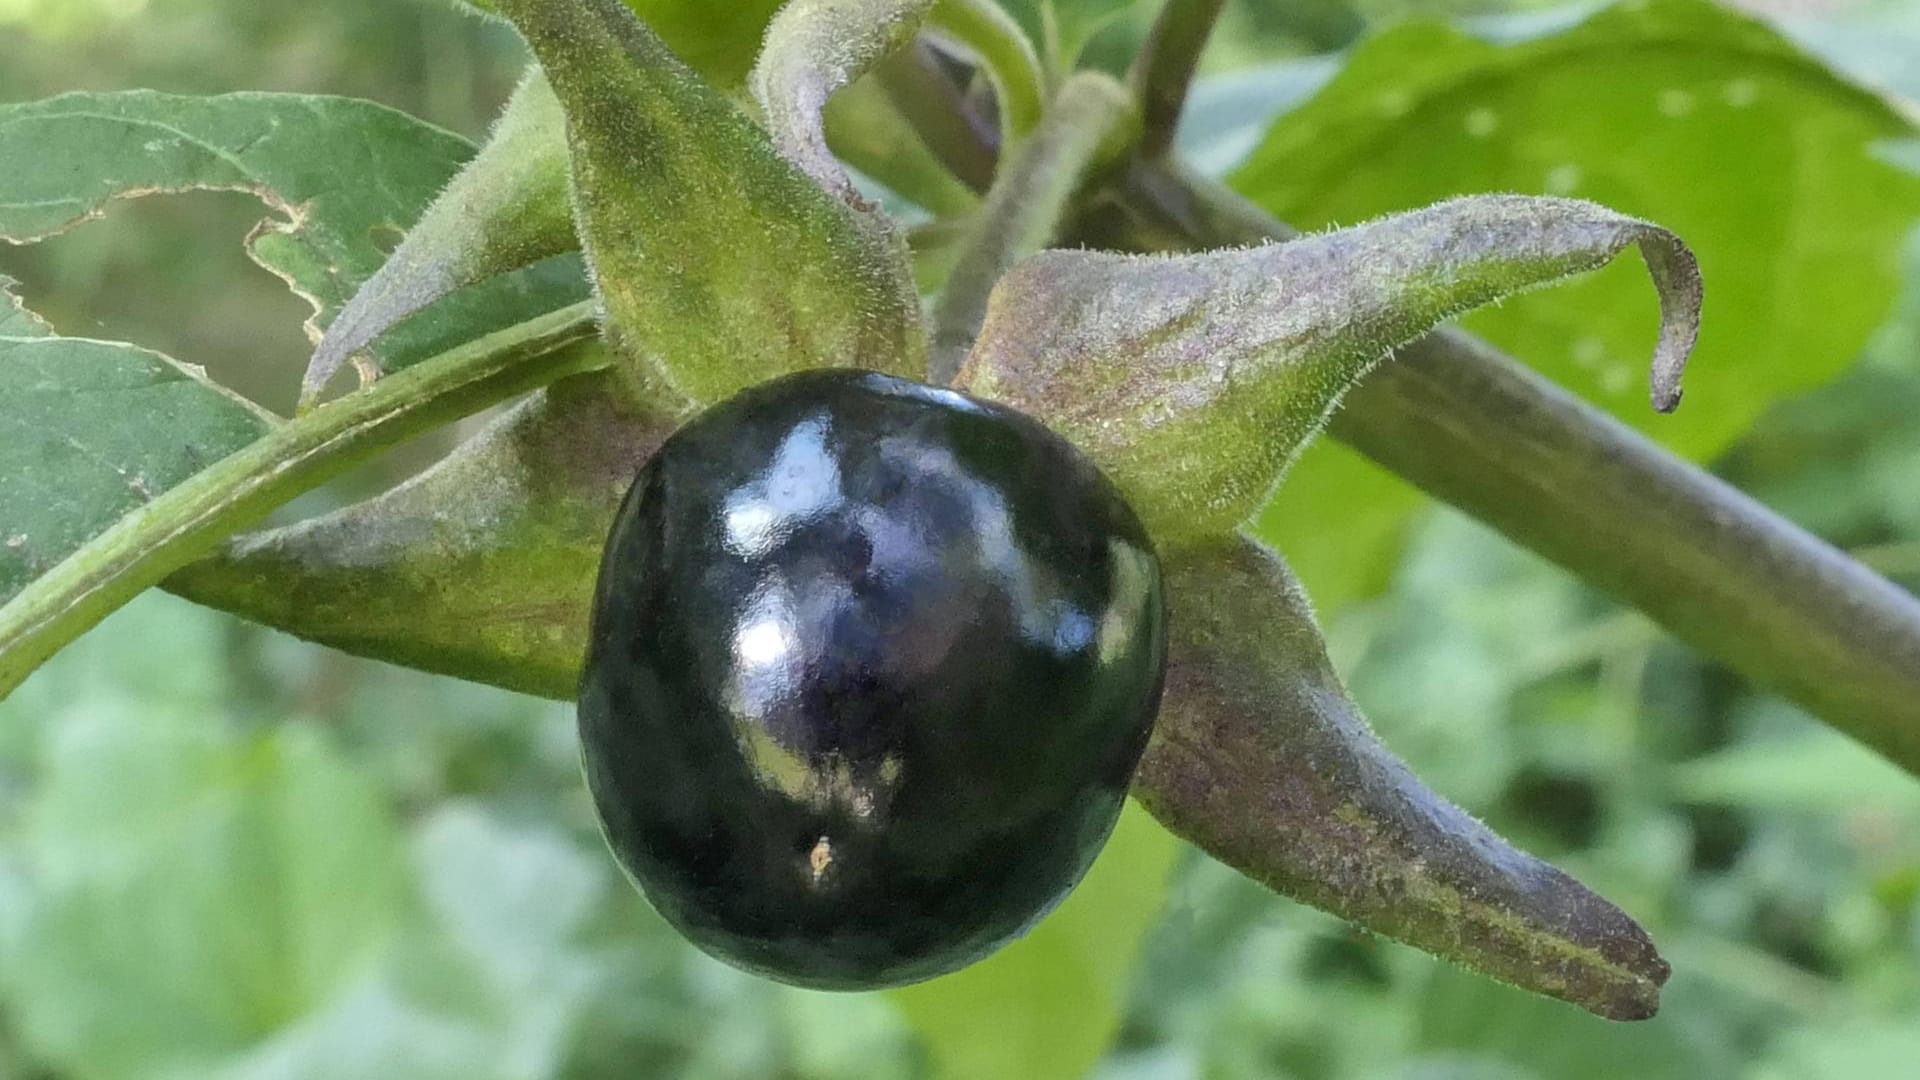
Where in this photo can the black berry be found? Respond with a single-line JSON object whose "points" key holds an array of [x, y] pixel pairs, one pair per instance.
{"points": [[872, 664]]}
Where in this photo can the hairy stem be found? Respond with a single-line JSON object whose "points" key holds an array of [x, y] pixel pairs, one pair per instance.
{"points": [[1024, 208], [1164, 69], [1478, 429]]}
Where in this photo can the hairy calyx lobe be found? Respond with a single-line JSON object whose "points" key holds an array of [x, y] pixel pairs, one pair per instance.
{"points": [[1195, 379]]}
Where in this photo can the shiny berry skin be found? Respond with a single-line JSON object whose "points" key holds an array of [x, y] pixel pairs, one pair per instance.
{"points": [[871, 666]]}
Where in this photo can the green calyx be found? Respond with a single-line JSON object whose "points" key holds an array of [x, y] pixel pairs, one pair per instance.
{"points": [[1261, 758], [718, 264], [506, 209], [1196, 379], [481, 567]]}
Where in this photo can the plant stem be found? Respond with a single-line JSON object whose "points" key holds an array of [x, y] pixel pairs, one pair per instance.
{"points": [[1723, 573], [1164, 69], [187, 521], [1005, 54], [1023, 209], [930, 101]]}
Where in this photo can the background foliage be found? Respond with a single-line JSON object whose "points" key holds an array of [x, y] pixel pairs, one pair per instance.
{"points": [[224, 853]]}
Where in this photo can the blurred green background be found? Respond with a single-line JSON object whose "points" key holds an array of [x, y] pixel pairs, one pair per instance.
{"points": [[226, 853]]}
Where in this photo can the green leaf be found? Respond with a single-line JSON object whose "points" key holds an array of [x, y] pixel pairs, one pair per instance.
{"points": [[487, 972], [15, 320], [1195, 380], [91, 431], [122, 557], [16, 907], [197, 890], [127, 466], [507, 209], [1228, 114], [1376, 514], [1675, 110], [832, 1036], [1049, 1004], [514, 896], [373, 1032], [684, 206], [342, 177]]}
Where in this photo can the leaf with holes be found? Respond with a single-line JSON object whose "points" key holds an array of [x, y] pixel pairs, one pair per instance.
{"points": [[200, 463], [344, 178]]}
